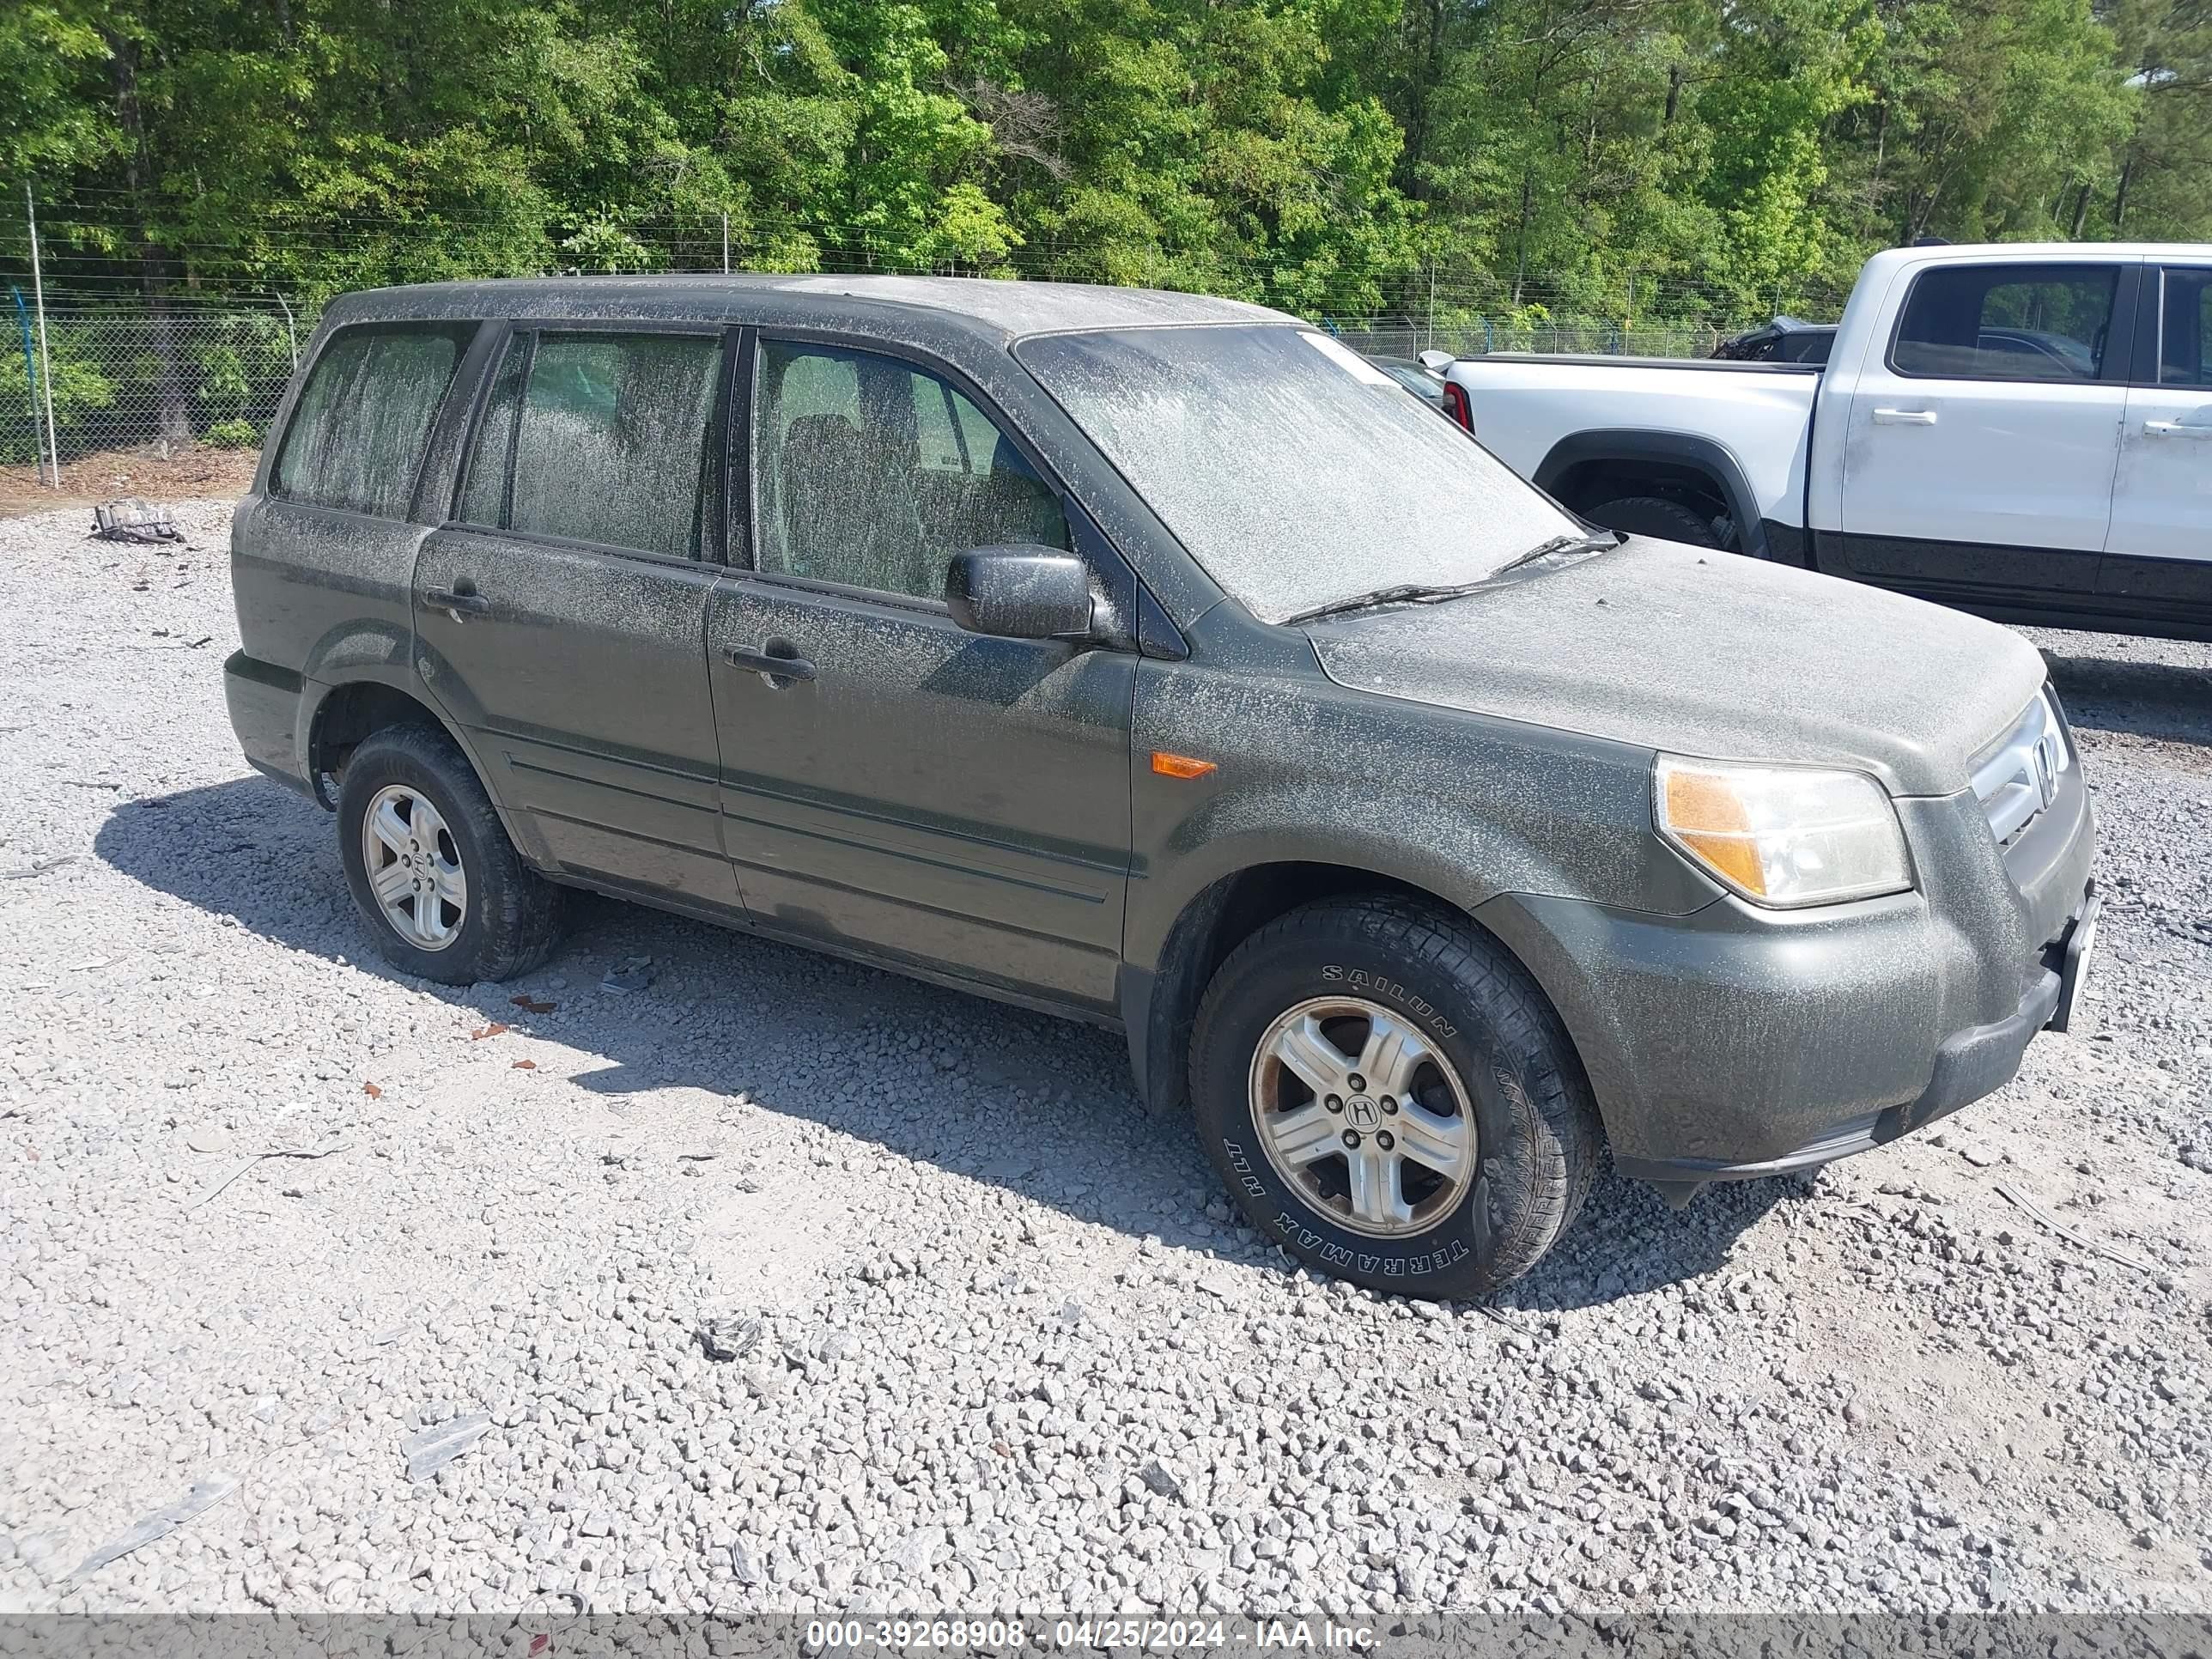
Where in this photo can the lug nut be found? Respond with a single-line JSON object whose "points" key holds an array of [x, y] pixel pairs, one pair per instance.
{"points": [[1390, 1104], [1334, 1102], [1385, 1140], [1351, 1139], [1358, 1084]]}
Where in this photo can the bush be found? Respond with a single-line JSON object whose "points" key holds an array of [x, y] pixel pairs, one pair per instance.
{"points": [[232, 434]]}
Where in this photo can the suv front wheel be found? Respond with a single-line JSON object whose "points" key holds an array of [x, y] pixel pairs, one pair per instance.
{"points": [[443, 891], [1391, 1099]]}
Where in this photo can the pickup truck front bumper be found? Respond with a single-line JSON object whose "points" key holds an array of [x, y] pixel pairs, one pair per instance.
{"points": [[1735, 1042]]}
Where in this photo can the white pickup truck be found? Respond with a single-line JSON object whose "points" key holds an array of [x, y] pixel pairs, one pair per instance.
{"points": [[2023, 430]]}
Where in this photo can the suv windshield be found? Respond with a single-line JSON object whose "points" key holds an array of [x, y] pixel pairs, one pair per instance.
{"points": [[1295, 471]]}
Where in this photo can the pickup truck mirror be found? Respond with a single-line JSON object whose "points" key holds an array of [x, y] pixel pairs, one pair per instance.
{"points": [[1436, 361], [1019, 592]]}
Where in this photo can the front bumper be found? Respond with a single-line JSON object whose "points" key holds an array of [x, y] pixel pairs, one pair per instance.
{"points": [[1736, 1043]]}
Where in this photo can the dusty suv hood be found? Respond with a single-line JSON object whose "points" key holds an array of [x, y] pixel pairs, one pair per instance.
{"points": [[1707, 653]]}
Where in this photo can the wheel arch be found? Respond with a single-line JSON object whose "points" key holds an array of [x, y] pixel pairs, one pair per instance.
{"points": [[1580, 456], [336, 718], [1159, 1004]]}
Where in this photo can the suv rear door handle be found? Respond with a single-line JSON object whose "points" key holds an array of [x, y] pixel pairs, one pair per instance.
{"points": [[2176, 429], [777, 661], [1904, 417], [456, 602]]}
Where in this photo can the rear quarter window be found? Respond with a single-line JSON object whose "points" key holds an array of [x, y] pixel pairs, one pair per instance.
{"points": [[356, 439]]}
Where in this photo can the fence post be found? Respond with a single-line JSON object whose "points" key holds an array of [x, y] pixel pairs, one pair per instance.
{"points": [[45, 357], [725, 241], [290, 332], [31, 379]]}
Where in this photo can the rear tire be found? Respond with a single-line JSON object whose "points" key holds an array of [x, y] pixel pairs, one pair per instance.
{"points": [[1466, 1053], [439, 886], [1657, 516]]}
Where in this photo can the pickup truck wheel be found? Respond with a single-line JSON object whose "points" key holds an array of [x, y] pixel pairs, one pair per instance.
{"points": [[443, 892], [1390, 1096], [1657, 516]]}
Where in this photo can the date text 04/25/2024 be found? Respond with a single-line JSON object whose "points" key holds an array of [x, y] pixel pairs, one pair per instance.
{"points": [[825, 1636]]}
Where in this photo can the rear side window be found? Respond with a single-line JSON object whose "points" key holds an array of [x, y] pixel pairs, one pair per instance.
{"points": [[608, 437], [357, 437], [2007, 323]]}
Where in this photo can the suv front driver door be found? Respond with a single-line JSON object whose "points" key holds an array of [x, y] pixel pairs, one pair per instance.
{"points": [[907, 789]]}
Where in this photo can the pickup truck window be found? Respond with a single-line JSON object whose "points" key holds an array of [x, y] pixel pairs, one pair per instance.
{"points": [[357, 438], [1293, 481], [2007, 323], [874, 473], [2185, 333]]}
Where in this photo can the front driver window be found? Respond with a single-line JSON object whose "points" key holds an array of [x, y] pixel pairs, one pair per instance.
{"points": [[874, 473], [2007, 323]]}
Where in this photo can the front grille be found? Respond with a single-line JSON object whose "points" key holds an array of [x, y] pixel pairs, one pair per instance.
{"points": [[2017, 780]]}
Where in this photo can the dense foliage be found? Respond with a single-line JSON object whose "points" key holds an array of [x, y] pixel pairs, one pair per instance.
{"points": [[1615, 158]]}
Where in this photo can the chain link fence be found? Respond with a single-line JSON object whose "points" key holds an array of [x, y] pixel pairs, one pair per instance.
{"points": [[135, 380], [129, 379], [1410, 337]]}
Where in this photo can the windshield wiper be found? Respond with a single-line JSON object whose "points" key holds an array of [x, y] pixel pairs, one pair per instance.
{"points": [[1403, 593], [1431, 593], [1604, 542]]}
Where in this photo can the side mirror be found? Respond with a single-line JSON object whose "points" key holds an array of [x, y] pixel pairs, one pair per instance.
{"points": [[1020, 592], [1436, 361]]}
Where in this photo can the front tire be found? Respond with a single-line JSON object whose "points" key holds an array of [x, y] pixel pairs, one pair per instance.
{"points": [[1391, 1099], [440, 887]]}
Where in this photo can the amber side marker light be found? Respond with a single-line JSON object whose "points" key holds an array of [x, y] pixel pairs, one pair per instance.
{"points": [[1180, 766]]}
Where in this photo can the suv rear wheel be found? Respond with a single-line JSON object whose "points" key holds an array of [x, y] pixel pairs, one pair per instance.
{"points": [[441, 889], [1390, 1096]]}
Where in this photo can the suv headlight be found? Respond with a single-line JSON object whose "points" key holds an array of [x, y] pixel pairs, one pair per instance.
{"points": [[1785, 836]]}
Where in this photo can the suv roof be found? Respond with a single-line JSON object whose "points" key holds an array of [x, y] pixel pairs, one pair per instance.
{"points": [[1009, 310]]}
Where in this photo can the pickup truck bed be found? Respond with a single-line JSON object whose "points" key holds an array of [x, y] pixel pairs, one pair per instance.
{"points": [[1570, 422]]}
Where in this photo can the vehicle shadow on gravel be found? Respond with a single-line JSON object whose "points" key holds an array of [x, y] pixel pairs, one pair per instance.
{"points": [[2167, 700], [252, 851]]}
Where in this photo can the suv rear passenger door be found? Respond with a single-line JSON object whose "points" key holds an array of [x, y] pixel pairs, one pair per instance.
{"points": [[561, 615], [910, 790]]}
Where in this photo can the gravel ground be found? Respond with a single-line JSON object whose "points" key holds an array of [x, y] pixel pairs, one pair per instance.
{"points": [[1002, 1344]]}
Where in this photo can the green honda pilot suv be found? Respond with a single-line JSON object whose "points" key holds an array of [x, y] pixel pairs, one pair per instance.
{"points": [[1155, 660]]}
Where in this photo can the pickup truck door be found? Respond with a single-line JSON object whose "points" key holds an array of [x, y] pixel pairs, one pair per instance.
{"points": [[2160, 550], [893, 786], [1984, 428]]}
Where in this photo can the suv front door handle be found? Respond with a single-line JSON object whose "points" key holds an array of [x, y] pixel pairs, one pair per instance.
{"points": [[2176, 429], [1904, 417], [778, 662], [458, 603]]}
